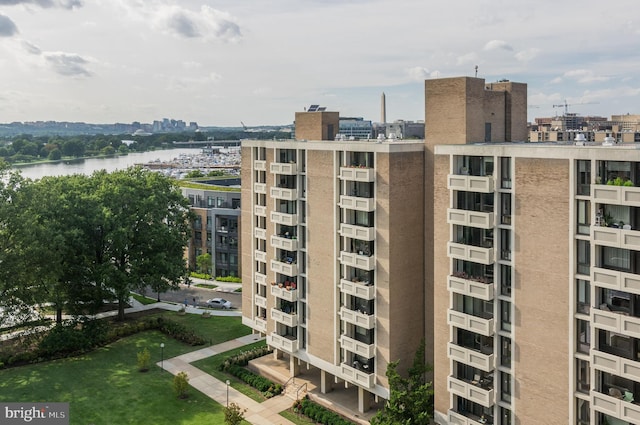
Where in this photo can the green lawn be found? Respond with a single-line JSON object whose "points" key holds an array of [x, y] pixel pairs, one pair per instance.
{"points": [[105, 387]]}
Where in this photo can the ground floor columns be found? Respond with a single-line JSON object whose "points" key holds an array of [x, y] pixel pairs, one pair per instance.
{"points": [[364, 400], [294, 367], [326, 382]]}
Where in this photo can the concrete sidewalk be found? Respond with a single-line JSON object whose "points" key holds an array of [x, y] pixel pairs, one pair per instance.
{"points": [[265, 413]]}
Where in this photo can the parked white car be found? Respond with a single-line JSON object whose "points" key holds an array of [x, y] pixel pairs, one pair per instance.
{"points": [[219, 303]]}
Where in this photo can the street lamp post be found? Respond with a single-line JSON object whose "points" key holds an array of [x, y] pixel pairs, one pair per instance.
{"points": [[228, 382], [162, 355]]}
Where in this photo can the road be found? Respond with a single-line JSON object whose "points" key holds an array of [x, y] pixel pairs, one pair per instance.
{"points": [[200, 294]]}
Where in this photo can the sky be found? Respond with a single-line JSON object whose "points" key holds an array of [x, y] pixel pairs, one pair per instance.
{"points": [[221, 63]]}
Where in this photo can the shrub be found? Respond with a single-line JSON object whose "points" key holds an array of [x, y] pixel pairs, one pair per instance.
{"points": [[318, 413], [200, 275], [245, 357], [262, 384], [181, 385], [180, 332], [144, 357], [232, 279], [233, 414]]}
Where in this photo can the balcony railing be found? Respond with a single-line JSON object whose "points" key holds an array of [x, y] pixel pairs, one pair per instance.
{"points": [[260, 324], [260, 188], [289, 169], [284, 193], [358, 289], [284, 293], [260, 301], [352, 259], [616, 407], [357, 347], [260, 278], [467, 418], [260, 210], [471, 287], [485, 362], [470, 183], [357, 376], [289, 319], [616, 237], [260, 256], [289, 269], [470, 391], [260, 165], [357, 232], [616, 365], [475, 324], [284, 218], [616, 195], [481, 220], [471, 253], [616, 322], [260, 233], [613, 279], [356, 203], [357, 174], [366, 321], [287, 244], [285, 343]]}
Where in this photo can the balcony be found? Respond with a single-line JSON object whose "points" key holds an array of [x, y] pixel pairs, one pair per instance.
{"points": [[616, 407], [470, 357], [260, 233], [260, 301], [284, 193], [616, 195], [289, 169], [476, 254], [615, 365], [455, 418], [287, 244], [279, 316], [260, 256], [260, 324], [357, 203], [471, 287], [362, 290], [482, 184], [260, 188], [357, 347], [364, 320], [613, 279], [358, 377], [285, 343], [260, 165], [289, 269], [470, 391], [616, 322], [284, 219], [260, 210], [357, 174], [475, 324], [616, 237], [284, 293], [260, 278], [357, 232], [352, 259], [481, 220]]}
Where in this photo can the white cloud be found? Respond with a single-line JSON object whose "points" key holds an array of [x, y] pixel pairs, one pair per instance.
{"points": [[65, 4], [418, 73], [67, 64], [497, 45], [584, 76], [528, 54], [7, 27], [467, 58], [208, 23]]}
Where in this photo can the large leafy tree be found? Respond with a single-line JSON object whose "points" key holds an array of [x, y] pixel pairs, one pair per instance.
{"points": [[411, 397]]}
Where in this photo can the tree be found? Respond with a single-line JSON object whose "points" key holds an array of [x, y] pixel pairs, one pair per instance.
{"points": [[55, 155], [411, 398], [203, 262], [193, 174], [181, 384], [234, 414]]}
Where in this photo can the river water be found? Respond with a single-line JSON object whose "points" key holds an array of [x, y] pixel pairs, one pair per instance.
{"points": [[89, 165]]}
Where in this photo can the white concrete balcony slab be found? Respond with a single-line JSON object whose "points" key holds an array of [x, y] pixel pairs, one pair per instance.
{"points": [[357, 174], [615, 365], [358, 289], [284, 293], [616, 195], [287, 244], [260, 165], [284, 343], [260, 256], [260, 233], [357, 376], [470, 183], [260, 188], [357, 232], [352, 259], [455, 418], [470, 357], [616, 322], [260, 301], [289, 168], [260, 278], [357, 203], [615, 237], [260, 210], [284, 218], [475, 324], [284, 193], [476, 254], [290, 320], [618, 408], [357, 347], [367, 321], [485, 397], [260, 324], [481, 220], [484, 291], [284, 268], [613, 279]]}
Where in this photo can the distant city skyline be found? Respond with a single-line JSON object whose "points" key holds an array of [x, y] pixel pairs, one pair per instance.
{"points": [[259, 62]]}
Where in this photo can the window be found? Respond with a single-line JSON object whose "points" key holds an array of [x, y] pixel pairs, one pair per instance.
{"points": [[505, 387], [616, 258], [584, 217], [505, 315], [505, 351], [583, 296], [505, 173], [505, 414], [487, 132], [584, 257], [505, 244], [584, 336], [505, 280], [583, 412], [584, 178], [582, 376], [505, 208]]}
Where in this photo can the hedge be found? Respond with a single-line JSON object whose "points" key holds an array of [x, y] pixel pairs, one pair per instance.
{"points": [[318, 413]]}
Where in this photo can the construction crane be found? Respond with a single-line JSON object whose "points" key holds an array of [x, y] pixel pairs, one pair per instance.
{"points": [[244, 126], [566, 105]]}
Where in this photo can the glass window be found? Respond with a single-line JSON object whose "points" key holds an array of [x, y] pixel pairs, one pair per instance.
{"points": [[505, 386], [584, 178], [505, 314], [505, 280], [584, 217], [584, 336], [505, 414], [505, 213], [505, 173], [583, 376], [505, 351], [583, 412], [505, 244], [616, 258], [583, 296], [584, 257]]}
